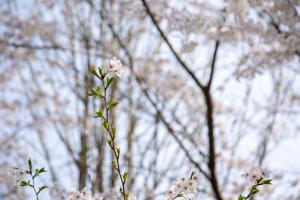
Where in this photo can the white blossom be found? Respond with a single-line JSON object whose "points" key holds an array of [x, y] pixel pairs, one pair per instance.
{"points": [[184, 186], [83, 195], [196, 177], [116, 67], [191, 186], [169, 193], [18, 174], [255, 173], [131, 197]]}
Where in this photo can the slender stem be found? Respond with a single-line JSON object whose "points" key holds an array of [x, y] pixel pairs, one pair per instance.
{"points": [[112, 138], [33, 186], [253, 187], [178, 195]]}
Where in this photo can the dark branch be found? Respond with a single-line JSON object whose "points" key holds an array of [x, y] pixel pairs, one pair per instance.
{"points": [[146, 93], [165, 38], [208, 100], [31, 46], [213, 63]]}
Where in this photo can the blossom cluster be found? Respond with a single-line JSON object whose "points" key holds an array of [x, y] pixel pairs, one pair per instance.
{"points": [[258, 178], [184, 187], [83, 195], [254, 174], [116, 67], [18, 174]]}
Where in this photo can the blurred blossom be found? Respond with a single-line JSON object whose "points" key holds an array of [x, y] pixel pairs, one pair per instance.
{"points": [[116, 67], [183, 187], [255, 173], [18, 174]]}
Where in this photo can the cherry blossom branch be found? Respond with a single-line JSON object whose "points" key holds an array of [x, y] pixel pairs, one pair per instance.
{"points": [[165, 38], [154, 104], [101, 92], [208, 100], [258, 175], [20, 175]]}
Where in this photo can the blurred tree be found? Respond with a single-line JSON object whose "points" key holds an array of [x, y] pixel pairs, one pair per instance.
{"points": [[210, 85]]}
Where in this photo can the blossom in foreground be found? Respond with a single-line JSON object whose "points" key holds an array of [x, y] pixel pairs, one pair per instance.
{"points": [[131, 197], [116, 67], [258, 178], [255, 173], [83, 195], [183, 187]]}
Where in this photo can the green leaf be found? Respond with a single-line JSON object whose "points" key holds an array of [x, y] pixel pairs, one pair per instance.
{"points": [[114, 131], [23, 183], [99, 113], [102, 72], [98, 91], [109, 81], [125, 175], [92, 93], [94, 72], [112, 104], [109, 142], [241, 197], [95, 93], [259, 180], [255, 190], [118, 151], [105, 124], [42, 188], [114, 164], [39, 171], [267, 181], [30, 165]]}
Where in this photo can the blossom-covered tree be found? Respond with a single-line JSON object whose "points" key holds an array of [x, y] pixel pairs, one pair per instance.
{"points": [[206, 85]]}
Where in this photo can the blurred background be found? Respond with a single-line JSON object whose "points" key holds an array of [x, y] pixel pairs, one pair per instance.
{"points": [[212, 86]]}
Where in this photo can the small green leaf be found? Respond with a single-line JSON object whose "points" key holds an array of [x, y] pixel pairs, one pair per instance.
{"points": [[42, 188], [109, 81], [118, 151], [114, 131], [39, 171], [241, 197], [94, 72], [102, 72], [92, 93], [259, 180], [30, 165], [255, 190], [105, 124], [267, 181], [114, 164], [23, 183], [95, 93], [109, 142], [125, 175], [98, 91], [99, 114], [112, 104]]}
